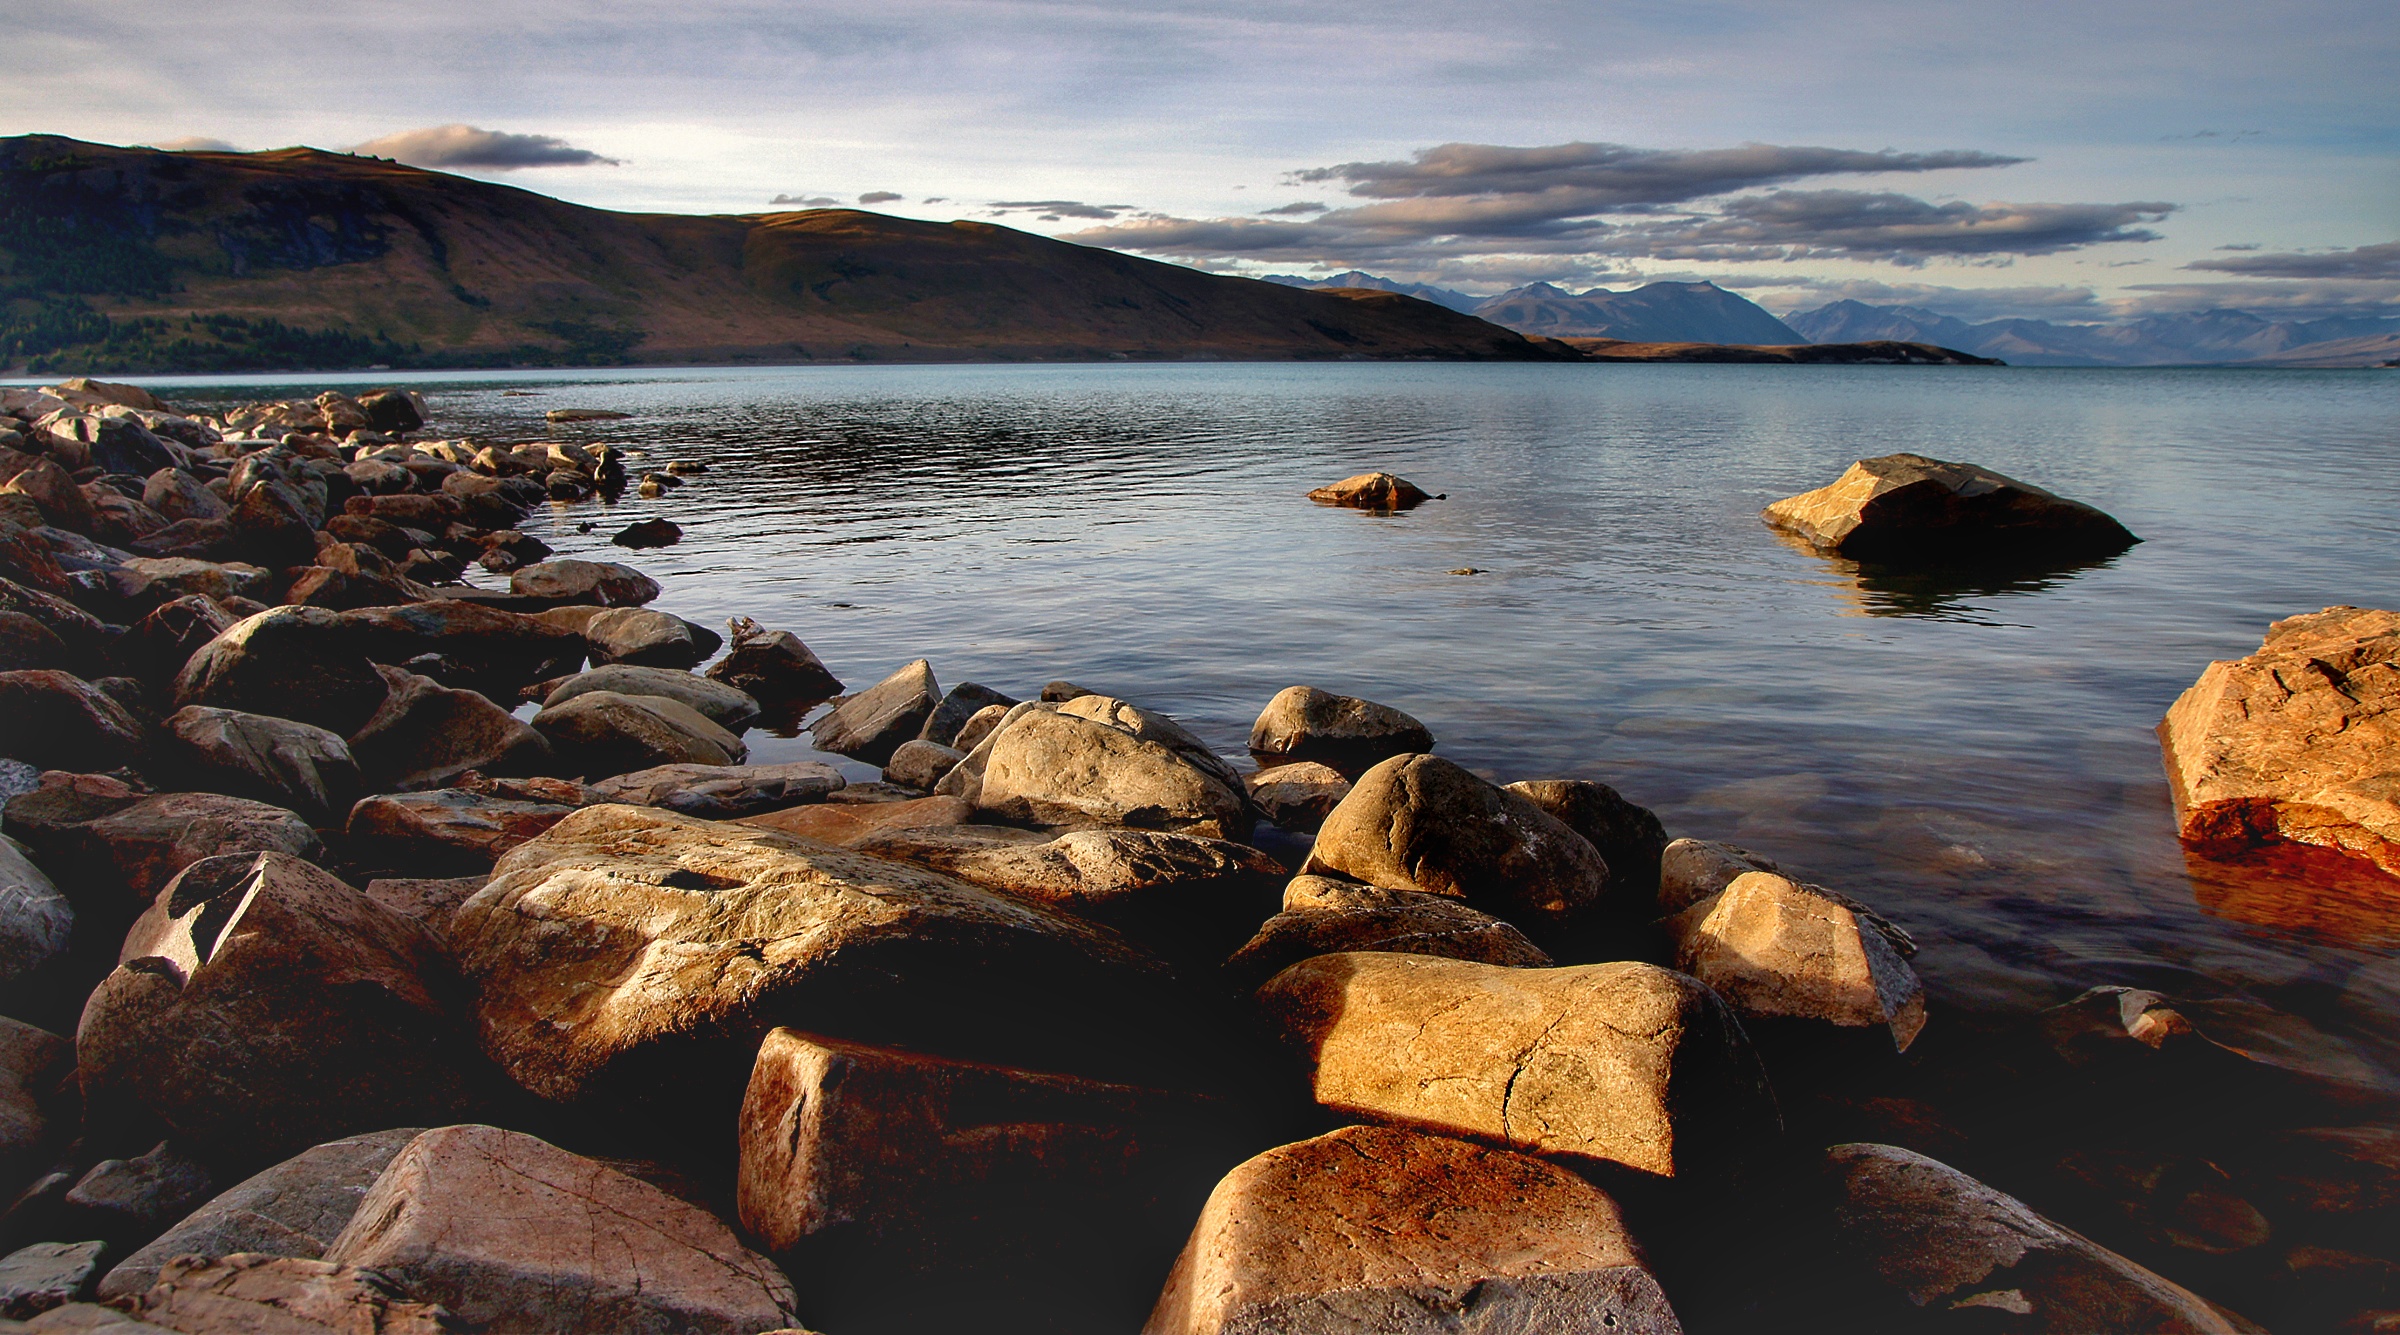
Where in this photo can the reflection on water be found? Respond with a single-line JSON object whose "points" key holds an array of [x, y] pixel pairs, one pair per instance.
{"points": [[2296, 888], [1944, 591]]}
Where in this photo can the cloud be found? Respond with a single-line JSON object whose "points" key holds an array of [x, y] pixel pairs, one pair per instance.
{"points": [[1292, 210], [492, 150], [2049, 301], [1880, 225], [2276, 298], [878, 197], [1619, 175], [937, 199], [2379, 262], [1054, 209], [807, 202], [195, 144]]}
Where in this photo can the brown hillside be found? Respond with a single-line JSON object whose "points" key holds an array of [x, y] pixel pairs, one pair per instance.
{"points": [[475, 272]]}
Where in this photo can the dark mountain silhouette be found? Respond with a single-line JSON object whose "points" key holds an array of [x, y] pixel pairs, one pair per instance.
{"points": [[1461, 302], [129, 259]]}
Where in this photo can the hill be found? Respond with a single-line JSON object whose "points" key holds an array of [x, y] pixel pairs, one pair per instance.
{"points": [[1652, 313], [1882, 352], [2216, 338], [133, 259]]}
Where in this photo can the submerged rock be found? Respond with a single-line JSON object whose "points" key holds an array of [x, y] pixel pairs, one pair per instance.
{"points": [[1371, 491], [1385, 1230], [2299, 742], [1903, 506]]}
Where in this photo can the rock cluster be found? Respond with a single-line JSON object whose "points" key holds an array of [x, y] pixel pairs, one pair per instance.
{"points": [[393, 1011]]}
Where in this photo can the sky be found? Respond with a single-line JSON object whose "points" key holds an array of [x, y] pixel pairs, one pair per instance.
{"points": [[2067, 161]]}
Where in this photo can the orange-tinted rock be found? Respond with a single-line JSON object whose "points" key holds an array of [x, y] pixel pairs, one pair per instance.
{"points": [[1304, 723], [1371, 491], [1773, 948], [848, 823], [1900, 506], [1328, 917]]}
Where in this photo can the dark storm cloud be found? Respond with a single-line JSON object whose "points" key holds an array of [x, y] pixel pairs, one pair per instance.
{"points": [[1062, 208], [2379, 262], [1881, 225], [1597, 175], [879, 197], [1292, 210], [492, 150]]}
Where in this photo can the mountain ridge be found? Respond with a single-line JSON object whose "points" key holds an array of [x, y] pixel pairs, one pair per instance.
{"points": [[2214, 337]]}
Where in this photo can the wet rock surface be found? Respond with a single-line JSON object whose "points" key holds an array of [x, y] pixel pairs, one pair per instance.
{"points": [[1910, 507]]}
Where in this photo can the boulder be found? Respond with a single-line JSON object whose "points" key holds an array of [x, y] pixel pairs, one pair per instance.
{"points": [[176, 494], [773, 666], [1912, 1227], [632, 952], [296, 1208], [1691, 870], [1304, 723], [2299, 742], [117, 862], [1629, 837], [28, 645], [1907, 506], [262, 1006], [978, 726], [128, 1201], [650, 639], [85, 392], [147, 580], [299, 663], [445, 830], [1060, 692], [920, 764], [250, 1294], [1299, 796], [924, 1191], [56, 720], [1327, 917], [45, 1275], [722, 792], [1178, 895], [965, 779], [429, 900], [965, 701], [292, 765], [495, 651], [1380, 1229], [1621, 1063], [1423, 823], [1062, 770], [1371, 491], [1151, 726], [649, 533], [272, 526], [157, 646], [603, 733], [727, 707], [393, 411], [848, 823], [54, 491], [427, 734], [36, 1066], [1773, 949], [516, 1235], [604, 583], [872, 724], [36, 923]]}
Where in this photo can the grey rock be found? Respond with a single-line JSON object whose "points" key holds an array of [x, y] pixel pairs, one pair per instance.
{"points": [[1059, 769], [921, 764], [965, 701], [604, 583], [773, 666], [726, 706], [722, 792], [649, 639], [872, 724], [603, 733], [286, 763], [1304, 723], [36, 921], [129, 1201], [47, 1274]]}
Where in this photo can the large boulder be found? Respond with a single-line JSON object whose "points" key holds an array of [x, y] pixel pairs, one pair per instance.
{"points": [[1915, 1228], [495, 651], [1371, 491], [262, 1006], [177, 494], [601, 733], [1151, 726], [296, 1208], [872, 724], [56, 720], [1304, 723], [2299, 742], [1424, 823], [36, 922], [912, 1191], [445, 830], [722, 792], [299, 663], [773, 666], [921, 764], [272, 526], [114, 864], [514, 1234], [1322, 916], [251, 1294], [731, 709], [964, 701], [36, 1067], [274, 760], [1380, 1229], [1773, 948], [1629, 837], [1299, 796], [1060, 769], [1691, 870], [156, 647], [426, 734], [1906, 506], [634, 953], [1622, 1063], [603, 583], [640, 636]]}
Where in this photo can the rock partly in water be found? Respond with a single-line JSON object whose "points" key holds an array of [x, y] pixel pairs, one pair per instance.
{"points": [[1629, 837], [649, 533], [1297, 797], [1621, 1063], [1774, 949], [645, 638], [772, 666], [1304, 723], [600, 733], [603, 583], [512, 1234], [1423, 823], [731, 709], [1322, 916], [2299, 742], [1906, 506], [297, 766], [1372, 491], [1060, 769], [1386, 1230], [874, 723], [263, 1006]]}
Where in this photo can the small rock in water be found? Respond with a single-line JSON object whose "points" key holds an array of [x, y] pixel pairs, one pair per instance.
{"points": [[1907, 506], [1467, 570], [687, 466], [585, 415], [1372, 491], [650, 533]]}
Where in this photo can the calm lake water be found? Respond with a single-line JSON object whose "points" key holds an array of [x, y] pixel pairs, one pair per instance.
{"points": [[1978, 761]]}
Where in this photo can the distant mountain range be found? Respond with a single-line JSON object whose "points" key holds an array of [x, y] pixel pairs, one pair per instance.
{"points": [[2206, 337], [1706, 313], [1652, 313]]}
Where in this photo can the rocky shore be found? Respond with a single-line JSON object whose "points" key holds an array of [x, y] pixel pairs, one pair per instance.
{"points": [[384, 953]]}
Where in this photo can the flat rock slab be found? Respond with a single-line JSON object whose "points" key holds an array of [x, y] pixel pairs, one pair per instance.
{"points": [[514, 1234], [247, 1294], [445, 830], [1385, 1230], [1625, 1063], [2298, 742], [1904, 506], [722, 792], [45, 1275]]}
